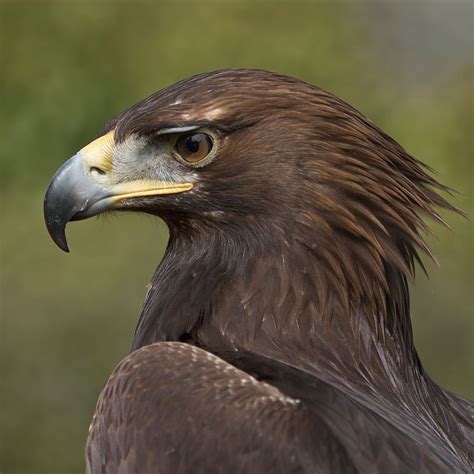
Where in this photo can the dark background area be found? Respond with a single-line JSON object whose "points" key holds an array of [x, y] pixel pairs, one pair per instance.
{"points": [[68, 67]]}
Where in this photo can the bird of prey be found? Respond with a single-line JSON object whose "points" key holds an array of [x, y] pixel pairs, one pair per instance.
{"points": [[275, 336]]}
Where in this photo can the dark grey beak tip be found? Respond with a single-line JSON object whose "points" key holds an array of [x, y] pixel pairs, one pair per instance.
{"points": [[58, 234], [56, 225], [71, 195], [60, 202]]}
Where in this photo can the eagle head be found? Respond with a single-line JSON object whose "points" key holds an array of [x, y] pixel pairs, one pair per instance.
{"points": [[260, 162]]}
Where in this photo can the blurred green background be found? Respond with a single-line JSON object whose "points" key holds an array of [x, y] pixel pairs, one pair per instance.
{"points": [[67, 67]]}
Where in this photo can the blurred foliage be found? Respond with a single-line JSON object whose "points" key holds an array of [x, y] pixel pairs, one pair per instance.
{"points": [[68, 67]]}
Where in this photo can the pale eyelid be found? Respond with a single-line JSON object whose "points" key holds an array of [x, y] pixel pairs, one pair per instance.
{"points": [[166, 131]]}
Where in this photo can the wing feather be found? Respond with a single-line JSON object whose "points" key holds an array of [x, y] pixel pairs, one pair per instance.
{"points": [[171, 407]]}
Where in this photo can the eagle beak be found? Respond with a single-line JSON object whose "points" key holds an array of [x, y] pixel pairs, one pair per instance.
{"points": [[83, 187]]}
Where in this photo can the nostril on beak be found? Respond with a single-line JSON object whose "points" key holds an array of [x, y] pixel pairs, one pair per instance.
{"points": [[97, 173]]}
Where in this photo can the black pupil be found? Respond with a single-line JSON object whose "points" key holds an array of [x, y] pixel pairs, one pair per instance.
{"points": [[193, 143]]}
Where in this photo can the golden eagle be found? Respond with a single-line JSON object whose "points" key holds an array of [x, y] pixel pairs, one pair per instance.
{"points": [[275, 336]]}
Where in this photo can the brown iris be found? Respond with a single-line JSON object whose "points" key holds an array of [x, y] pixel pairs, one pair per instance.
{"points": [[194, 148]]}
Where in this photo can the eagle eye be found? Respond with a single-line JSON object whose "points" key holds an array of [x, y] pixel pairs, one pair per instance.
{"points": [[193, 148]]}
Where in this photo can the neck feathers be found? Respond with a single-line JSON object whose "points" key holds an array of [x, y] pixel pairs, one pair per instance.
{"points": [[284, 295]]}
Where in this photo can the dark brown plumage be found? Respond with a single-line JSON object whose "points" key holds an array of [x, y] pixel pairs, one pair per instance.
{"points": [[275, 335]]}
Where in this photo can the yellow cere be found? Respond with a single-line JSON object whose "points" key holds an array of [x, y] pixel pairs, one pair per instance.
{"points": [[99, 152]]}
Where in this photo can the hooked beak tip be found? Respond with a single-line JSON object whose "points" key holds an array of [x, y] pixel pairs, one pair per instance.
{"points": [[57, 231], [60, 240], [67, 192]]}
